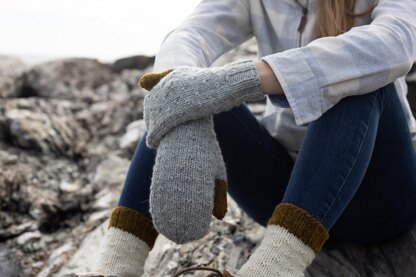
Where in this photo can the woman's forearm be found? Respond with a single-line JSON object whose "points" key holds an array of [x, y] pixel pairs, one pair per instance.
{"points": [[269, 81]]}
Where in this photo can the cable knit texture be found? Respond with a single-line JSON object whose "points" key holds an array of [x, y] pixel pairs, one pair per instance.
{"points": [[190, 93], [122, 254], [188, 165], [280, 254]]}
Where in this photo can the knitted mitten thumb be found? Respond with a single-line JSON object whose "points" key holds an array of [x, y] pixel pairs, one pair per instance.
{"points": [[149, 80], [188, 178]]}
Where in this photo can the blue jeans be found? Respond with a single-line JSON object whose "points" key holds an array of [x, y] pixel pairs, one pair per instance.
{"points": [[355, 171]]}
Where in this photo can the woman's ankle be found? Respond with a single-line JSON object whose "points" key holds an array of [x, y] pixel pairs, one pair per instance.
{"points": [[128, 240]]}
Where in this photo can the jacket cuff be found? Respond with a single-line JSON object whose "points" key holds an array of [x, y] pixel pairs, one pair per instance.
{"points": [[299, 84]]}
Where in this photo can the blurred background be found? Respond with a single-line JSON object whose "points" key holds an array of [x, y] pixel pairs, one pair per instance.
{"points": [[103, 29]]}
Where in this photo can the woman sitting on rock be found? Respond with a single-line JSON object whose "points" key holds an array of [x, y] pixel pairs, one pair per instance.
{"points": [[333, 156]]}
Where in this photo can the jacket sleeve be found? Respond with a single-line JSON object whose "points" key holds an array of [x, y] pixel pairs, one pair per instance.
{"points": [[317, 76], [213, 28]]}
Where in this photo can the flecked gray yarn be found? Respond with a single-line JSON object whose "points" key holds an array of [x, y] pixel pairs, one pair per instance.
{"points": [[188, 161], [189, 93]]}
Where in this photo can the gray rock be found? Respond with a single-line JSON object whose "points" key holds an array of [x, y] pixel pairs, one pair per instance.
{"points": [[28, 236], [14, 230], [110, 172], [228, 245], [396, 257], [10, 69], [60, 134], [85, 257], [64, 79], [134, 62], [8, 266], [61, 167], [134, 133], [57, 258]]}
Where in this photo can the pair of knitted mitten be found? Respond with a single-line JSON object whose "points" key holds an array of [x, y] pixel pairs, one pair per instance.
{"points": [[189, 176]]}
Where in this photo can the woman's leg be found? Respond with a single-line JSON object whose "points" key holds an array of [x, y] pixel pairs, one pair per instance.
{"points": [[356, 172], [136, 189], [359, 158], [130, 235], [255, 164], [385, 203], [257, 168]]}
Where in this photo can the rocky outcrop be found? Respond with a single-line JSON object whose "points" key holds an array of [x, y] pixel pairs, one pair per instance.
{"points": [[68, 129], [230, 242], [7, 267], [135, 62], [66, 79], [64, 153], [10, 69]]}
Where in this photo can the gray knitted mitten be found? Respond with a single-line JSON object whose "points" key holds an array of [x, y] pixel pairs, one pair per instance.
{"points": [[189, 167], [189, 93]]}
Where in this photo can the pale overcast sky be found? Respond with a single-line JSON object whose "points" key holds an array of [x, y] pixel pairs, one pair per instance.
{"points": [[104, 29]]}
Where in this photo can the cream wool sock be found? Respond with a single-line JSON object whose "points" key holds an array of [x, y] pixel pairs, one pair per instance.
{"points": [[291, 241], [279, 254], [122, 254], [127, 244]]}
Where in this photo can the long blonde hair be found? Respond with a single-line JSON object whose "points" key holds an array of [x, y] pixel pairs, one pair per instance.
{"points": [[335, 17]]}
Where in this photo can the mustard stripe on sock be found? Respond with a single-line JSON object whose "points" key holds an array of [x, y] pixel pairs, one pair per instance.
{"points": [[135, 223], [220, 199], [301, 224]]}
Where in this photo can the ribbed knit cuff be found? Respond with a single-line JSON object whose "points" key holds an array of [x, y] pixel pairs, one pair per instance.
{"points": [[134, 223], [243, 80], [301, 224]]}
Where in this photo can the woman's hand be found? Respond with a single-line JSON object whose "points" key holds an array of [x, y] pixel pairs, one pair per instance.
{"points": [[190, 93], [189, 180], [269, 81]]}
